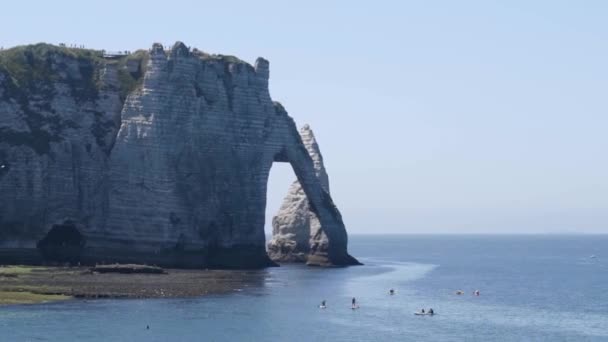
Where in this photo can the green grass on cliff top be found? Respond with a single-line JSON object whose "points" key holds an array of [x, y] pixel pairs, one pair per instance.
{"points": [[30, 63], [27, 63], [29, 66]]}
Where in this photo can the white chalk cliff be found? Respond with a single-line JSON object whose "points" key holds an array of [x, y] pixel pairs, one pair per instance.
{"points": [[158, 156]]}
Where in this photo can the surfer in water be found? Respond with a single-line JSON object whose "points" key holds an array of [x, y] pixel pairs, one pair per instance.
{"points": [[391, 292], [323, 306]]}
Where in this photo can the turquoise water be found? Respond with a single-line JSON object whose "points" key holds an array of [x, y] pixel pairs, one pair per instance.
{"points": [[533, 288]]}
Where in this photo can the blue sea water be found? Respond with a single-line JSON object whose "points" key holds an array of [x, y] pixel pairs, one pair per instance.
{"points": [[533, 288]]}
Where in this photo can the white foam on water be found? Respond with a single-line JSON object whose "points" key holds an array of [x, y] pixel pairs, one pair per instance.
{"points": [[401, 271]]}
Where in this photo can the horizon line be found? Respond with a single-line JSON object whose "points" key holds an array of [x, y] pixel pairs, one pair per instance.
{"points": [[483, 233]]}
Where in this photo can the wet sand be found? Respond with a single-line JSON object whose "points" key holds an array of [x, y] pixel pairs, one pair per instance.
{"points": [[41, 284]]}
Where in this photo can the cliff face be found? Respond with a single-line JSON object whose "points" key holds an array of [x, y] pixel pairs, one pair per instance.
{"points": [[296, 230], [159, 156]]}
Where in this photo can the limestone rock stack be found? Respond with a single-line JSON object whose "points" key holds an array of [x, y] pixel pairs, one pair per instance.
{"points": [[296, 228]]}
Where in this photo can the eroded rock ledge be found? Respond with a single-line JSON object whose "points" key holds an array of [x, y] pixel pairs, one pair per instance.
{"points": [[159, 156]]}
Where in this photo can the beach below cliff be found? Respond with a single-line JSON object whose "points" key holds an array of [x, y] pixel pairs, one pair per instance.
{"points": [[38, 284]]}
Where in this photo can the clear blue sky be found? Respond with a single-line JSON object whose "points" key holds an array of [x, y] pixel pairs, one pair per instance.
{"points": [[433, 116]]}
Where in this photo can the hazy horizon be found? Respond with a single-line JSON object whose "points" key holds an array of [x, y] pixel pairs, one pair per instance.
{"points": [[444, 117]]}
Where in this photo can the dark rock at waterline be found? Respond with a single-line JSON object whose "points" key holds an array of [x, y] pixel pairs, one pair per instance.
{"points": [[128, 269]]}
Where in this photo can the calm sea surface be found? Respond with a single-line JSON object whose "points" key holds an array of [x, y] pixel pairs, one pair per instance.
{"points": [[533, 288]]}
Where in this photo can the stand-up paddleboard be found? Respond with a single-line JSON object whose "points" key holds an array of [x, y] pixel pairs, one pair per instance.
{"points": [[355, 307], [423, 314], [322, 306]]}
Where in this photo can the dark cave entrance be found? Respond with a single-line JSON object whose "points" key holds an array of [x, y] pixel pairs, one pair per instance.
{"points": [[62, 244]]}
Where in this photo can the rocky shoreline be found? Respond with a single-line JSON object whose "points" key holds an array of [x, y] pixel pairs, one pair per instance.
{"points": [[36, 284]]}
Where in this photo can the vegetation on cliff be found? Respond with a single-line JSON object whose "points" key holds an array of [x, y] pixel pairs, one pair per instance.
{"points": [[33, 68], [29, 76], [131, 69]]}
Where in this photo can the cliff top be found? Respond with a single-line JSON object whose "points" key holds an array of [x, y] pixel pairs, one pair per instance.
{"points": [[14, 59], [32, 66]]}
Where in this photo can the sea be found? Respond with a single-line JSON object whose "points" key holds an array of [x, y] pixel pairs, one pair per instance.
{"points": [[531, 288]]}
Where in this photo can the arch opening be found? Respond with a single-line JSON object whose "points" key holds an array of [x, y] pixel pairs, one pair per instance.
{"points": [[280, 178]]}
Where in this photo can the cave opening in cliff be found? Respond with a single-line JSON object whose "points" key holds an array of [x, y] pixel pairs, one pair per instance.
{"points": [[64, 243]]}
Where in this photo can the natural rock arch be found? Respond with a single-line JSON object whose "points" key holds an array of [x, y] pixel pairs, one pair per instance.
{"points": [[309, 227]]}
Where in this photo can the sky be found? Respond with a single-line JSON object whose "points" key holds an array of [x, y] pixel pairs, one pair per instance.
{"points": [[432, 116]]}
